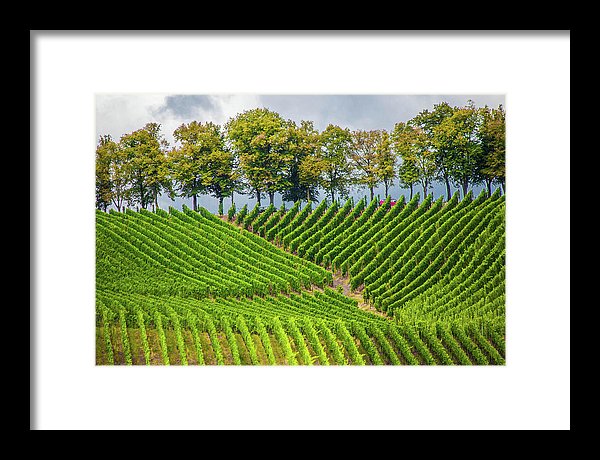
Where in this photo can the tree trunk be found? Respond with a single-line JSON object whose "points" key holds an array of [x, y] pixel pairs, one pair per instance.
{"points": [[386, 188], [465, 187], [232, 192], [271, 197], [194, 203], [258, 197], [488, 182], [143, 203], [411, 192], [371, 190], [332, 196], [220, 205], [447, 188], [307, 194]]}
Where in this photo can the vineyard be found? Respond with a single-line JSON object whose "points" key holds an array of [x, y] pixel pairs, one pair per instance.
{"points": [[424, 282]]}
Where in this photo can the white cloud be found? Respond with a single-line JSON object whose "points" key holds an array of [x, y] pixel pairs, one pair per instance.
{"points": [[119, 114], [231, 105]]}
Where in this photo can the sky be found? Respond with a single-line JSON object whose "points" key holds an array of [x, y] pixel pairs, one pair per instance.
{"points": [[119, 114]]}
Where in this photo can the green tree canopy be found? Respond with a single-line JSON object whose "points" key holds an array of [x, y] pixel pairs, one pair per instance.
{"points": [[408, 175], [364, 158], [493, 145], [459, 134], [301, 142], [105, 157], [199, 155], [146, 164], [428, 122], [336, 143], [411, 143], [333, 161], [385, 160], [259, 137]]}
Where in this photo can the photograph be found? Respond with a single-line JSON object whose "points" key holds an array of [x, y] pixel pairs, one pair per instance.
{"points": [[308, 230]]}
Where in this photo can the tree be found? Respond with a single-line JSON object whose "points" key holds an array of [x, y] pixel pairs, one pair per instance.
{"points": [[493, 145], [363, 155], [189, 162], [147, 165], [424, 161], [408, 175], [312, 170], [301, 142], [336, 170], [459, 134], [237, 178], [218, 174], [159, 174], [213, 162], [385, 161], [112, 174], [418, 160], [104, 155], [444, 157], [257, 136]]}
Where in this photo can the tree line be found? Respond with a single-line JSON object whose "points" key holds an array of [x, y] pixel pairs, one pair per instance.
{"points": [[258, 152]]}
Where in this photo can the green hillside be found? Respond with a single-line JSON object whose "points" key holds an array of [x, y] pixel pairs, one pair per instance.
{"points": [[434, 260], [326, 285]]}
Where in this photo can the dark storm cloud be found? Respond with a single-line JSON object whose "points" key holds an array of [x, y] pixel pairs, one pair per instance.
{"points": [[188, 106], [364, 111]]}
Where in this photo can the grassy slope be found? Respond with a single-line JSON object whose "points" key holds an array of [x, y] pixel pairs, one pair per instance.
{"points": [[187, 229]]}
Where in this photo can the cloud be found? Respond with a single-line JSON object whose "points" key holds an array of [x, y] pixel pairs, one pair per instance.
{"points": [[119, 114], [234, 104], [358, 111], [189, 105]]}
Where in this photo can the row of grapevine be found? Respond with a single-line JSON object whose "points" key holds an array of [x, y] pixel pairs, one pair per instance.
{"points": [[405, 255], [332, 219], [272, 227], [263, 228], [247, 339], [182, 287], [337, 237], [264, 216], [311, 219], [473, 269], [300, 342], [412, 238], [251, 216], [310, 333], [332, 341], [320, 275], [376, 261], [190, 257], [296, 221]]}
